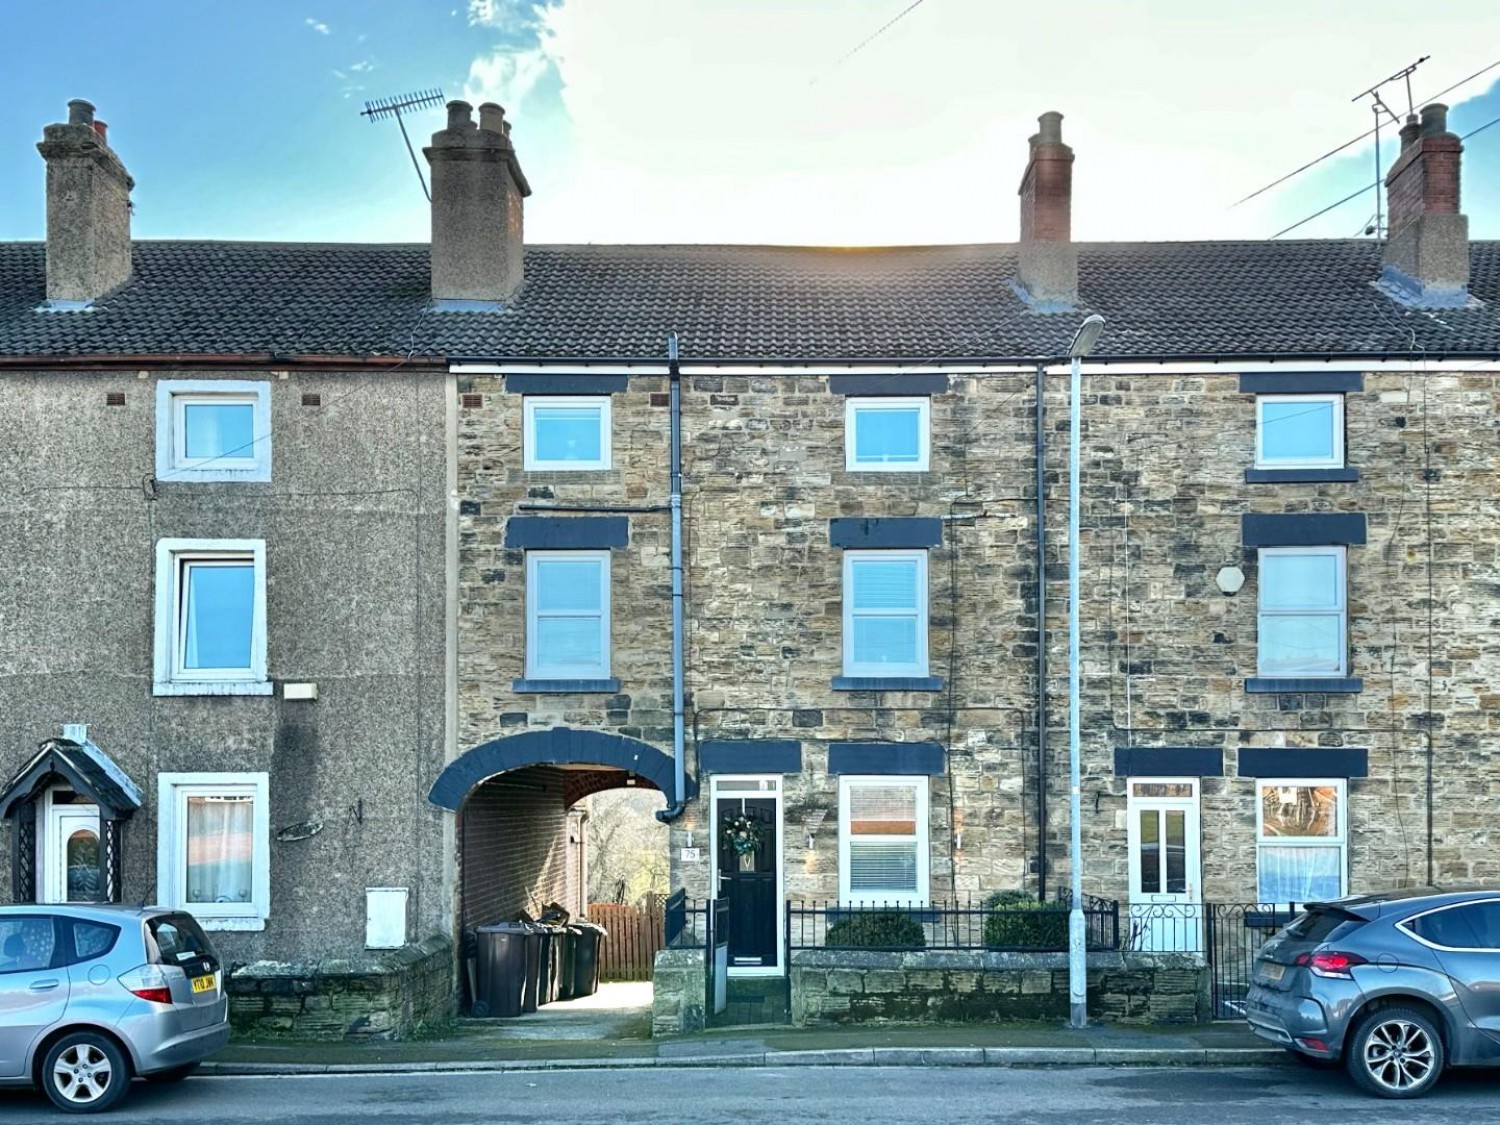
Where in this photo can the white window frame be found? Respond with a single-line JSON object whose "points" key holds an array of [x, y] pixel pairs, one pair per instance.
{"points": [[854, 406], [567, 672], [853, 667], [172, 462], [172, 793], [922, 784], [1336, 461], [169, 677], [530, 462], [1340, 840], [1340, 609]]}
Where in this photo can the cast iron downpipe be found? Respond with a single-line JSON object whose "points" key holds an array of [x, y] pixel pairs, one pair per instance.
{"points": [[679, 739], [1041, 634]]}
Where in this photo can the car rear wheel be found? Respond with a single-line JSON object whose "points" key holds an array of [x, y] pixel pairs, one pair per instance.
{"points": [[85, 1073], [176, 1074], [1395, 1053]]}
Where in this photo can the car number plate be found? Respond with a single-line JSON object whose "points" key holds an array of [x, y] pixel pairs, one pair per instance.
{"points": [[1271, 970], [203, 984]]}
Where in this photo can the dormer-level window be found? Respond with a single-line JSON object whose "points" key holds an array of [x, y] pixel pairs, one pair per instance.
{"points": [[566, 432], [213, 430], [1299, 431], [886, 435]]}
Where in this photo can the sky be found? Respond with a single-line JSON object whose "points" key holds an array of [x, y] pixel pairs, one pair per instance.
{"points": [[749, 121]]}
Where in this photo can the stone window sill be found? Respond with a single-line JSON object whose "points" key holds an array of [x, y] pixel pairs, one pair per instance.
{"points": [[1307, 685], [212, 687], [1301, 476], [564, 687], [887, 683]]}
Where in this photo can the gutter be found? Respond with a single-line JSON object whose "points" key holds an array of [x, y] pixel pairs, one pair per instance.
{"points": [[220, 359], [679, 737]]}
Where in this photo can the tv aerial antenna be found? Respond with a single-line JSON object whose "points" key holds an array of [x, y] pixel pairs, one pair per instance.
{"points": [[381, 108], [1378, 107]]}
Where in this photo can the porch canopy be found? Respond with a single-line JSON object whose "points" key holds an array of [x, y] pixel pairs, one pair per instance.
{"points": [[93, 776]]}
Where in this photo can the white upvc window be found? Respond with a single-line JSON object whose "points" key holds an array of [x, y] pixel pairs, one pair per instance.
{"points": [[213, 854], [1303, 612], [211, 617], [567, 615], [887, 435], [1299, 431], [213, 430], [883, 841], [885, 613], [1301, 838], [566, 432]]}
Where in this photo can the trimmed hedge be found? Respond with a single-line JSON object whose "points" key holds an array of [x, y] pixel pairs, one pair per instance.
{"points": [[1017, 921], [875, 931]]}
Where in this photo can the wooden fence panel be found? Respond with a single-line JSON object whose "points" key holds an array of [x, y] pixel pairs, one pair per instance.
{"points": [[635, 934]]}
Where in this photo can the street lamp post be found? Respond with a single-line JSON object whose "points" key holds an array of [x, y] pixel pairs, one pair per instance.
{"points": [[1083, 343]]}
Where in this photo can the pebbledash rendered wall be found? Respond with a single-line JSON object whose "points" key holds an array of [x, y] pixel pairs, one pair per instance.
{"points": [[1165, 653], [353, 521]]}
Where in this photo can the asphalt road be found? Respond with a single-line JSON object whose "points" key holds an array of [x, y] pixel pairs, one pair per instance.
{"points": [[785, 1096]]}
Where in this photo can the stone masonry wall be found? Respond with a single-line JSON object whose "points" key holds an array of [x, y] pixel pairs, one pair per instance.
{"points": [[386, 996], [678, 989], [859, 987]]}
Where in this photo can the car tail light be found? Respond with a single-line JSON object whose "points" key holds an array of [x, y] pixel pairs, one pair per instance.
{"points": [[1330, 963], [149, 983]]}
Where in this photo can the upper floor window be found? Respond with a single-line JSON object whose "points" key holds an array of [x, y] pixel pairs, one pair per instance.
{"points": [[1303, 612], [1299, 431], [886, 435], [211, 617], [213, 430], [567, 615], [1301, 835], [566, 432], [885, 613]]}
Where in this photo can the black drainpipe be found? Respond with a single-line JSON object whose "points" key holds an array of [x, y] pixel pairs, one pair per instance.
{"points": [[1041, 636], [679, 738]]}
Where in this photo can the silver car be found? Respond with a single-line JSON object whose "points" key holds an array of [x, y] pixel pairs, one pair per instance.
{"points": [[93, 995], [1397, 986]]}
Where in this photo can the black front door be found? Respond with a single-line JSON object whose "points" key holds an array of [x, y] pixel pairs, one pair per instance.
{"points": [[748, 881]]}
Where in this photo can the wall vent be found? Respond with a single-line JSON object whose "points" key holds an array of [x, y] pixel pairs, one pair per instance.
{"points": [[311, 398], [472, 402], [114, 398]]}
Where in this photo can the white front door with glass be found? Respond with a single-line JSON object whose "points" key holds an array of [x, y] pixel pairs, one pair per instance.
{"points": [[70, 851], [1166, 898]]}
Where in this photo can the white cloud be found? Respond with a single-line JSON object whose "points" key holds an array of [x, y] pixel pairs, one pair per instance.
{"points": [[706, 121], [317, 25], [362, 66]]}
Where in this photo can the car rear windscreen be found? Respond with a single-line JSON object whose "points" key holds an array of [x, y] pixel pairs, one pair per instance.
{"points": [[1323, 924], [179, 938]]}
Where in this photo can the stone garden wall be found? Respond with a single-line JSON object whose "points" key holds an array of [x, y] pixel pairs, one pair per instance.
{"points": [[678, 985], [385, 996], [859, 987]]}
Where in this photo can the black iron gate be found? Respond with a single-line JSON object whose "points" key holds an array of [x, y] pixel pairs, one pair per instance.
{"points": [[1235, 933]]}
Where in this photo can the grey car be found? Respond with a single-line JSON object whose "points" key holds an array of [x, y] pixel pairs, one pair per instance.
{"points": [[1397, 986], [93, 995]]}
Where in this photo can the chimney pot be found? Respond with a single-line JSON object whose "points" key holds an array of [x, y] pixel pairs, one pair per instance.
{"points": [[1051, 128], [80, 112], [101, 130], [460, 115], [1410, 131], [492, 118], [1434, 119]]}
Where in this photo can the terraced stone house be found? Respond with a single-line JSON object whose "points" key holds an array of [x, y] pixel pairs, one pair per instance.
{"points": [[366, 565]]}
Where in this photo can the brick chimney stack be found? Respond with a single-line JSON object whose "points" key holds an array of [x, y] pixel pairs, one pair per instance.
{"points": [[1427, 249], [477, 192], [1048, 260], [88, 210]]}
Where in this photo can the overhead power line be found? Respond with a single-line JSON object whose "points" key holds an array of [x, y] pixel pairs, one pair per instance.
{"points": [[1350, 144], [868, 39], [1367, 187]]}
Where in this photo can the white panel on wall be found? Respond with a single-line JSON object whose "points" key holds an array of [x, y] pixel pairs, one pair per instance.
{"points": [[385, 917]]}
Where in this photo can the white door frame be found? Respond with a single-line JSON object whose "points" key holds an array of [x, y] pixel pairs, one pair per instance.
{"points": [[57, 823], [772, 787], [1177, 931]]}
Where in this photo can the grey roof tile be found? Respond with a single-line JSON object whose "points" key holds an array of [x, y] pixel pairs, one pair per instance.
{"points": [[765, 303]]}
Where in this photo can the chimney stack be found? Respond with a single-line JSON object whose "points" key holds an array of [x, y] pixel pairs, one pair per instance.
{"points": [[1426, 260], [1049, 260], [88, 211], [477, 193]]}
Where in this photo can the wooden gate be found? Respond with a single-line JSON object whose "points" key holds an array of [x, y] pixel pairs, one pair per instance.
{"points": [[635, 934]]}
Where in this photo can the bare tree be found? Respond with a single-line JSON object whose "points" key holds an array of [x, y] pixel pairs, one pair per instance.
{"points": [[627, 856]]}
